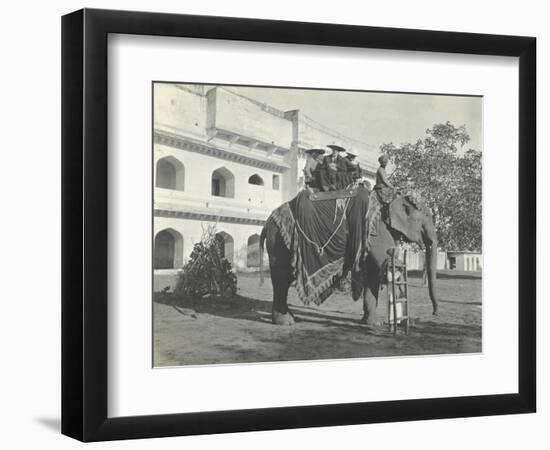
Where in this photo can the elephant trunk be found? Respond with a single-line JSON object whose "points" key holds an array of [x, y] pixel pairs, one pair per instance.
{"points": [[431, 268]]}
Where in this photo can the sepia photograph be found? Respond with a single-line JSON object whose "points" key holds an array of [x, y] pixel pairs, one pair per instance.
{"points": [[296, 224]]}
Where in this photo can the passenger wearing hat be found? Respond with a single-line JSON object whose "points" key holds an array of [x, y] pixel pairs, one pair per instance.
{"points": [[335, 168], [354, 171], [312, 169], [329, 170]]}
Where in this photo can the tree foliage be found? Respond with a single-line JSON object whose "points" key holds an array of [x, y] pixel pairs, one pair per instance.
{"points": [[447, 179]]}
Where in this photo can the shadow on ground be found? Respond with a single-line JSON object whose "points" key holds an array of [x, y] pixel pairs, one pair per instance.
{"points": [[246, 308]]}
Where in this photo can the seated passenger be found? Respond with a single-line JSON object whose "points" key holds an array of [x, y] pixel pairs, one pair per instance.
{"points": [[383, 187], [353, 171], [329, 171], [312, 169], [335, 169]]}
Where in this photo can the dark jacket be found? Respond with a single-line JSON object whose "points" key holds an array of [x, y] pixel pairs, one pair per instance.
{"points": [[312, 174], [335, 172]]}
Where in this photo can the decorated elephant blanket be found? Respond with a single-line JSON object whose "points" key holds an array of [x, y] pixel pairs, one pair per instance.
{"points": [[324, 238]]}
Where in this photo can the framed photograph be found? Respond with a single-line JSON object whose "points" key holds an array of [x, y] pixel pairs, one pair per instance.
{"points": [[273, 225]]}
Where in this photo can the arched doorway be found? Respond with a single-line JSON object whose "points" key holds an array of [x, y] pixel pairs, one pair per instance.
{"points": [[168, 250], [223, 183], [225, 243], [253, 251], [170, 174]]}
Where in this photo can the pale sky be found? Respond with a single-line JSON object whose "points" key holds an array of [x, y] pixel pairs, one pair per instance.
{"points": [[375, 117]]}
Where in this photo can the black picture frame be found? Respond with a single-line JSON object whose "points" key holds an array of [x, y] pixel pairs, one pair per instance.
{"points": [[84, 224]]}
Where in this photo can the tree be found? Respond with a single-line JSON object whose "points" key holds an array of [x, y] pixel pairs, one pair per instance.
{"points": [[448, 181]]}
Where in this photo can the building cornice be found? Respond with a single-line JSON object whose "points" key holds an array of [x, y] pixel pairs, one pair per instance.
{"points": [[172, 140], [207, 217]]}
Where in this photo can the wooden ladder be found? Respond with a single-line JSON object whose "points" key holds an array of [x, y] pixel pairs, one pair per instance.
{"points": [[398, 308]]}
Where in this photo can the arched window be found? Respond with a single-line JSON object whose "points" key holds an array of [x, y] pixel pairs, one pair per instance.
{"points": [[170, 174], [256, 179], [225, 243], [253, 251], [168, 250], [223, 183]]}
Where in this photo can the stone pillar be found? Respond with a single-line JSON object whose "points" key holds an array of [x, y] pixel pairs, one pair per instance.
{"points": [[291, 175]]}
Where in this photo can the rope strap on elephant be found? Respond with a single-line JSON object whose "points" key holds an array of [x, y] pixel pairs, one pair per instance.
{"points": [[324, 239]]}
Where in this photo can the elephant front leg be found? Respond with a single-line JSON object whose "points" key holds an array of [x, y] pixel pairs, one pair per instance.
{"points": [[373, 314]]}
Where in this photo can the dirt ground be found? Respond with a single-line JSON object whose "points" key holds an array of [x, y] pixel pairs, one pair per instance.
{"points": [[215, 331]]}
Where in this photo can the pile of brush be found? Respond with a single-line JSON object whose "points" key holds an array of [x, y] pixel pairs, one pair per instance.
{"points": [[207, 273]]}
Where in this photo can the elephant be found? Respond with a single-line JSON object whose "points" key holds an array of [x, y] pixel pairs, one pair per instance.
{"points": [[410, 220]]}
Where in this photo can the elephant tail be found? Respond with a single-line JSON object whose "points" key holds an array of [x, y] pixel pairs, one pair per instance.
{"points": [[262, 239]]}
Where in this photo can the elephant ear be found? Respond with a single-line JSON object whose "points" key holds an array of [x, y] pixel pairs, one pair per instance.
{"points": [[407, 217]]}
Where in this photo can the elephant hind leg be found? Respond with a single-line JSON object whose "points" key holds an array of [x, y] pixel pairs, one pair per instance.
{"points": [[281, 315], [281, 278], [282, 319]]}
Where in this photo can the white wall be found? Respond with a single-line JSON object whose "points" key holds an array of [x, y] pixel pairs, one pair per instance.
{"points": [[198, 186], [240, 115], [192, 231], [179, 109], [30, 331], [317, 135]]}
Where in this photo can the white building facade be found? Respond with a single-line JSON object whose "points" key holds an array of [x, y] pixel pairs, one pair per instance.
{"points": [[227, 160], [465, 261]]}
